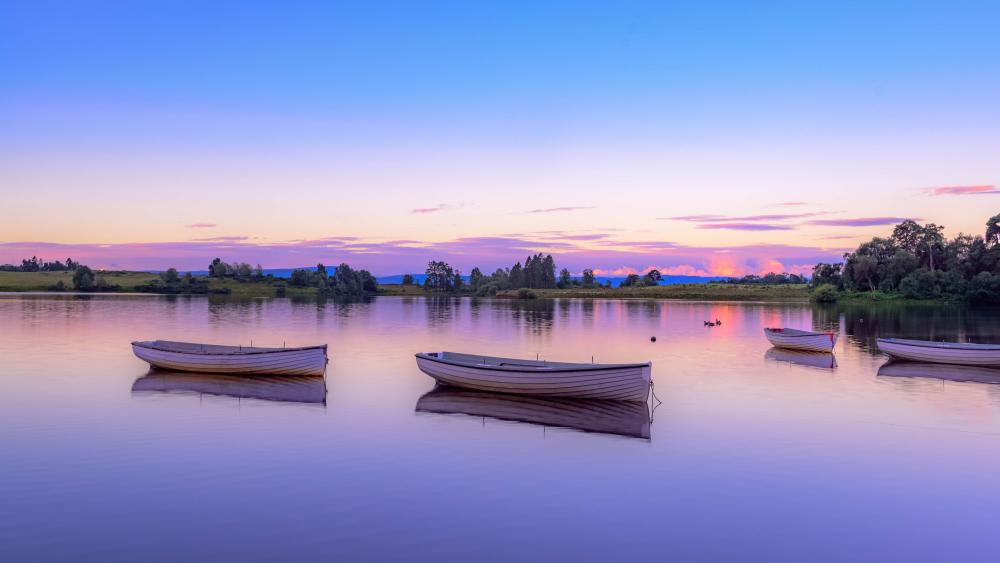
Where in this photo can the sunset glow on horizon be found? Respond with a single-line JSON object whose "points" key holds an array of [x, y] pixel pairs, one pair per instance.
{"points": [[727, 140]]}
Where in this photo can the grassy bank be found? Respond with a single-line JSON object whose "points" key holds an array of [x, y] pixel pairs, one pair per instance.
{"points": [[45, 281]]}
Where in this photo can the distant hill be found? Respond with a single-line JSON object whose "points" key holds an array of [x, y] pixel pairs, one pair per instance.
{"points": [[419, 278]]}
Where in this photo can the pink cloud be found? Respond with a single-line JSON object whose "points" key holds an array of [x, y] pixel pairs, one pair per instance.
{"points": [[742, 218], [221, 239], [558, 209], [790, 203], [745, 226], [202, 226], [858, 221], [435, 209], [984, 189]]}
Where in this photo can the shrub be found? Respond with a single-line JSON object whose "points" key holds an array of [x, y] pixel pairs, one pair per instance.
{"points": [[925, 284], [525, 293], [83, 279], [488, 290], [826, 293], [984, 287]]}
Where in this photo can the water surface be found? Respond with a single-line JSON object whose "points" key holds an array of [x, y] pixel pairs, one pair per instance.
{"points": [[752, 455]]}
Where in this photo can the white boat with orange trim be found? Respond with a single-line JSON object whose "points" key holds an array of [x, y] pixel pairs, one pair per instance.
{"points": [[623, 382], [247, 360], [794, 339], [956, 353]]}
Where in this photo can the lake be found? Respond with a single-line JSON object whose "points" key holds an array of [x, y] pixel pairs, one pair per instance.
{"points": [[752, 454]]}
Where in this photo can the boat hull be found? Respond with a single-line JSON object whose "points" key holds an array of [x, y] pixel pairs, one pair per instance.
{"points": [[940, 352], [622, 383], [807, 342], [293, 361]]}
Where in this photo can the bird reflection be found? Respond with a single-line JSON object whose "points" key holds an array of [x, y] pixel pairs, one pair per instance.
{"points": [[622, 418]]}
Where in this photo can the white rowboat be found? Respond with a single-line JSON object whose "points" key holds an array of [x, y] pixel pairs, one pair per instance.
{"points": [[623, 418], [624, 382], [210, 358], [793, 339], [941, 352]]}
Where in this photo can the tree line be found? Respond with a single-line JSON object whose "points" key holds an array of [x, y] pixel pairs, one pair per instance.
{"points": [[918, 262], [537, 272], [35, 264], [343, 281]]}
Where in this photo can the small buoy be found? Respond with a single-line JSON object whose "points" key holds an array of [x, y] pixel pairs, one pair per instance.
{"points": [[652, 339]]}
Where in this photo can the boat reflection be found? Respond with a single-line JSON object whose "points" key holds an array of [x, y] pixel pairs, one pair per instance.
{"points": [[287, 389], [621, 418], [962, 374], [809, 359]]}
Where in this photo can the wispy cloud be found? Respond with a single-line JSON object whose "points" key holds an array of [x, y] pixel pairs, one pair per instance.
{"points": [[858, 221], [742, 218], [745, 226], [221, 239], [435, 209], [202, 226], [984, 189], [789, 203], [558, 209]]}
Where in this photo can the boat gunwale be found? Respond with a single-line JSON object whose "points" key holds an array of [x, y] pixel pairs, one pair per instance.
{"points": [[801, 333], [555, 367], [150, 345], [965, 346]]}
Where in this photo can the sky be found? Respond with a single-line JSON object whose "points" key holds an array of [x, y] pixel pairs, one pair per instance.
{"points": [[698, 137]]}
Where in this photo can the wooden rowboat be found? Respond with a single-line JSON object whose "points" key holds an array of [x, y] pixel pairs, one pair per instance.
{"points": [[211, 358], [793, 339], [622, 418], [286, 389], [941, 352], [624, 382]]}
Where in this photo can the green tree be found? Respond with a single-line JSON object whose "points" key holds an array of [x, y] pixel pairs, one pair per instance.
{"points": [[407, 279], [652, 277], [565, 280], [631, 280], [440, 276], [170, 276], [588, 281], [993, 231], [516, 276], [476, 279], [83, 279]]}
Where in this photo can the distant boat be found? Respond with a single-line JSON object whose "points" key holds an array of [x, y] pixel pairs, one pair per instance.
{"points": [[247, 360], [627, 382], [941, 352], [819, 360], [793, 339], [622, 418], [962, 374], [290, 389]]}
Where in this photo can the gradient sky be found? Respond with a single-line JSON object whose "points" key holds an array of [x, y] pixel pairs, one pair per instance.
{"points": [[708, 137]]}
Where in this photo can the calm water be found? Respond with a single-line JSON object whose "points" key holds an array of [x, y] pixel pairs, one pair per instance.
{"points": [[752, 455]]}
